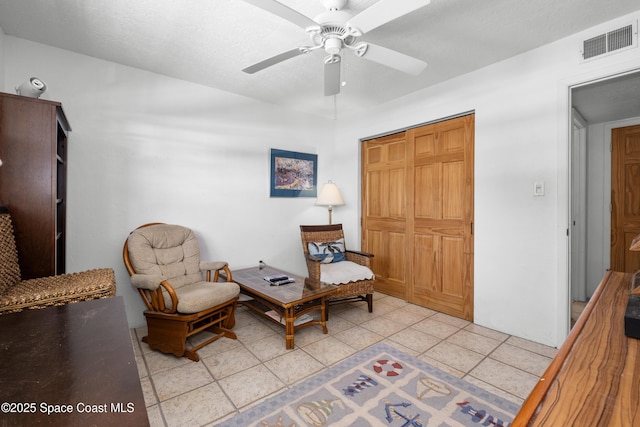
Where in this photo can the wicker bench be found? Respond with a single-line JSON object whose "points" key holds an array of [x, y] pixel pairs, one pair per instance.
{"points": [[17, 294]]}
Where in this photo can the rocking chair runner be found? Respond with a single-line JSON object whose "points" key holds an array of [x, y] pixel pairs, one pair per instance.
{"points": [[331, 263], [163, 261]]}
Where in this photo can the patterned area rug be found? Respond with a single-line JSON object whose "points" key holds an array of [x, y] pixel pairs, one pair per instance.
{"points": [[380, 386]]}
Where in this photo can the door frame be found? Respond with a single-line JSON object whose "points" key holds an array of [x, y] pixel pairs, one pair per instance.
{"points": [[566, 269], [578, 221]]}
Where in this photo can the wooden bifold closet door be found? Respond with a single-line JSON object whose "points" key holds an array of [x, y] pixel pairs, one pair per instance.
{"points": [[417, 214]]}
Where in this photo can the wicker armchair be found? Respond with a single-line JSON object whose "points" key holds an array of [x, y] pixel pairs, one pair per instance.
{"points": [[163, 261], [329, 261], [17, 294]]}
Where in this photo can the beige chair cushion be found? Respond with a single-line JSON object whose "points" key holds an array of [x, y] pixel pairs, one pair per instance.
{"points": [[344, 272], [166, 250], [203, 295]]}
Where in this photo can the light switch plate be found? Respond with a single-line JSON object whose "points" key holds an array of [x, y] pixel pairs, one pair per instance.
{"points": [[538, 188]]}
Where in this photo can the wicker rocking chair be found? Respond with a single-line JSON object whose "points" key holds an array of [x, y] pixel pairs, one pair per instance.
{"points": [[329, 261], [163, 261]]}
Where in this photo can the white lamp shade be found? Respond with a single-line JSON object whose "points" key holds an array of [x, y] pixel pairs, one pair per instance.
{"points": [[329, 195]]}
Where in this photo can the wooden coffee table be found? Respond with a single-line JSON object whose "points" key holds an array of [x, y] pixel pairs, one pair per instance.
{"points": [[286, 304]]}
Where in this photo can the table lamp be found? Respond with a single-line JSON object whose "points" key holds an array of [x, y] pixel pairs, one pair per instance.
{"points": [[329, 196]]}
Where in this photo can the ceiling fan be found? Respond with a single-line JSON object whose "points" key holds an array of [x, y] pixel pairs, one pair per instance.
{"points": [[335, 30]]}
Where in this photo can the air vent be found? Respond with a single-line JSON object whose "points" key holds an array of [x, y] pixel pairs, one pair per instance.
{"points": [[615, 40], [595, 46]]}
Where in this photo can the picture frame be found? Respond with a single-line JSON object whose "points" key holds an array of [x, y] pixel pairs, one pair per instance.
{"points": [[293, 174]]}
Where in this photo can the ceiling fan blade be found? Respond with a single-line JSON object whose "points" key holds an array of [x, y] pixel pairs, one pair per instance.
{"points": [[331, 78], [394, 59], [284, 12], [382, 12], [273, 60]]}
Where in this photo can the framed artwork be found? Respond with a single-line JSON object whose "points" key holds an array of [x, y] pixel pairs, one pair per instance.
{"points": [[293, 174]]}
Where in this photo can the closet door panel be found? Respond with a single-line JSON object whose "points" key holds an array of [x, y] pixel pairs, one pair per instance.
{"points": [[384, 205], [421, 203]]}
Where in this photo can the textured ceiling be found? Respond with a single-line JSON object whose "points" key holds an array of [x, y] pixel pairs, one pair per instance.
{"points": [[210, 41]]}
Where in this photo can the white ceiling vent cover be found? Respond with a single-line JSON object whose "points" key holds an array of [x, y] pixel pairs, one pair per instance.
{"points": [[613, 41]]}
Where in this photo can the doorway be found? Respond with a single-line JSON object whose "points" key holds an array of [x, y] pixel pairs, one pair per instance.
{"points": [[598, 107]]}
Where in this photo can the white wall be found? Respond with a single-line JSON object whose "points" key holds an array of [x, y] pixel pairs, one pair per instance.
{"points": [[522, 136], [145, 148]]}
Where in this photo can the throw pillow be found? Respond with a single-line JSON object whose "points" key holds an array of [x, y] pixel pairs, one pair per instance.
{"points": [[328, 252]]}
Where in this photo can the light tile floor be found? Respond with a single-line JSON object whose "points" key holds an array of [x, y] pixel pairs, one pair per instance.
{"points": [[234, 375]]}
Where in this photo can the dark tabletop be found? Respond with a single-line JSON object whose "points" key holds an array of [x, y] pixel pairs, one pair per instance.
{"points": [[70, 365]]}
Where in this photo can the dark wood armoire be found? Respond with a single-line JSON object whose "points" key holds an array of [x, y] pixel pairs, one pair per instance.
{"points": [[33, 150]]}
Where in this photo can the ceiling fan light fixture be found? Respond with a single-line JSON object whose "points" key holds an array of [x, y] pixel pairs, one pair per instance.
{"points": [[333, 46]]}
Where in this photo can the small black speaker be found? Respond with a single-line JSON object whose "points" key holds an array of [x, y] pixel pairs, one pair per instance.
{"points": [[632, 317]]}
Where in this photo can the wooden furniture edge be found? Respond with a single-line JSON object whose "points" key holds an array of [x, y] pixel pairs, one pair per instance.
{"points": [[320, 228], [539, 392]]}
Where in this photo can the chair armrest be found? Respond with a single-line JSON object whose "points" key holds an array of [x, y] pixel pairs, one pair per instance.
{"points": [[365, 254], [213, 265], [146, 281], [150, 288], [313, 266], [216, 267], [361, 258]]}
